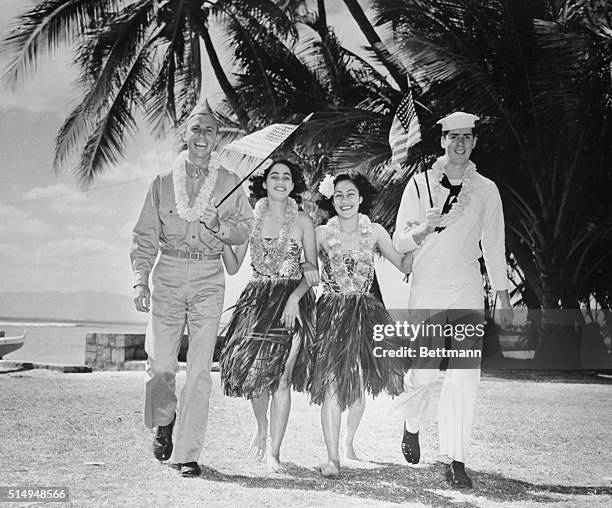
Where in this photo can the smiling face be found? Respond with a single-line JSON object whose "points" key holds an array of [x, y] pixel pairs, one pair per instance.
{"points": [[458, 145], [279, 182], [201, 136], [346, 199]]}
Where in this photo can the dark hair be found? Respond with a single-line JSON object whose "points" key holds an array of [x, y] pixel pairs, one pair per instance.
{"points": [[299, 185], [366, 190]]}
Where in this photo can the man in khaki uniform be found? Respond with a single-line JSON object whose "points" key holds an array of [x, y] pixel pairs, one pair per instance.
{"points": [[180, 222]]}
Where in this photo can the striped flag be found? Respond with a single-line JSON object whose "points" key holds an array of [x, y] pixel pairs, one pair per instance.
{"points": [[405, 130], [260, 144]]}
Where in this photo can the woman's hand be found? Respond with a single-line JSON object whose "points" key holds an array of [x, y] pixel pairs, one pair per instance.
{"points": [[291, 312], [311, 274]]}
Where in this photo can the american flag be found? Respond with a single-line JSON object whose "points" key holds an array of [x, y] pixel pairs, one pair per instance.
{"points": [[261, 143], [405, 130]]}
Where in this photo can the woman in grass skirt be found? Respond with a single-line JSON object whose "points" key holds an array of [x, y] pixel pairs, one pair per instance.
{"points": [[271, 330], [345, 363]]}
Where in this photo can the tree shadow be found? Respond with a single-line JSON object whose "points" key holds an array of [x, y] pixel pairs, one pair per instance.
{"points": [[394, 483]]}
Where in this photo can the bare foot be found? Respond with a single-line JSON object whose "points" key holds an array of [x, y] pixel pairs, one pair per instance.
{"points": [[273, 464], [349, 452], [330, 469], [258, 445]]}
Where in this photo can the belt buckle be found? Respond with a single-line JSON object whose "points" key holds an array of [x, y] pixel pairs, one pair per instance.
{"points": [[195, 256]]}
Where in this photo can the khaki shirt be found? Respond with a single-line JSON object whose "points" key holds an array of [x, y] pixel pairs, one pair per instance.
{"points": [[160, 227]]}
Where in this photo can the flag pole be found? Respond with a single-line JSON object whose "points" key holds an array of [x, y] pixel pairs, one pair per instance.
{"points": [[423, 168], [300, 125]]}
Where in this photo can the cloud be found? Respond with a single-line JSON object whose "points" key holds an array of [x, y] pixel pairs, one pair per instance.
{"points": [[35, 95], [141, 166], [65, 200], [82, 251], [8, 250], [15, 221]]}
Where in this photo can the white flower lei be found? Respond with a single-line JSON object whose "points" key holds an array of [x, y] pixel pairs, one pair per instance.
{"points": [[179, 179], [361, 273], [465, 194]]}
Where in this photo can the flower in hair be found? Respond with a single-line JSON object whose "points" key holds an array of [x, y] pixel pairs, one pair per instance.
{"points": [[326, 187]]}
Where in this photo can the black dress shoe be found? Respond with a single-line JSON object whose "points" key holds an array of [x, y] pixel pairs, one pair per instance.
{"points": [[190, 470], [162, 443], [410, 447], [456, 475]]}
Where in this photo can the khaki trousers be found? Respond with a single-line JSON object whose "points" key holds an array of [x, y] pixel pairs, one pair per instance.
{"points": [[459, 387], [184, 292]]}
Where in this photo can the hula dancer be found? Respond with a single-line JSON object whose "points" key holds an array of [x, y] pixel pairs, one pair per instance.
{"points": [[272, 327], [345, 363]]}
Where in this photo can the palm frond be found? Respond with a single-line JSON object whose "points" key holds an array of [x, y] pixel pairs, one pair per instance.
{"points": [[265, 14], [45, 27], [103, 58], [106, 144], [161, 97]]}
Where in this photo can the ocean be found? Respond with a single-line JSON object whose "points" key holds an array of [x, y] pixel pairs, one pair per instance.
{"points": [[58, 342]]}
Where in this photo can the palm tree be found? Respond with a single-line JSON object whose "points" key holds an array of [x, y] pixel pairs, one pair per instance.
{"points": [[138, 58], [537, 72], [376, 44]]}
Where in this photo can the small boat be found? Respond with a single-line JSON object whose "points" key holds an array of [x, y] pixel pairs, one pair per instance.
{"points": [[10, 344]]}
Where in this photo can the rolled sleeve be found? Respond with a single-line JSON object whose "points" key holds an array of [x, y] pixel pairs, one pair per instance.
{"points": [[407, 216], [235, 218], [145, 239], [494, 241]]}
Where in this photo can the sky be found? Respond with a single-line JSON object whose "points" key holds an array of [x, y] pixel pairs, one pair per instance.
{"points": [[54, 237]]}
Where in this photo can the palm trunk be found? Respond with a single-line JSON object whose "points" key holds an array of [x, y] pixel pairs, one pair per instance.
{"points": [[559, 345], [377, 45], [323, 31], [226, 86]]}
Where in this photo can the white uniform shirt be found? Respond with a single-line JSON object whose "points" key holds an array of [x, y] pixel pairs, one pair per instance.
{"points": [[449, 259]]}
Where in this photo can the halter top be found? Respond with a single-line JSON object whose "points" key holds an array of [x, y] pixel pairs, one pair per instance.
{"points": [[289, 266], [350, 262]]}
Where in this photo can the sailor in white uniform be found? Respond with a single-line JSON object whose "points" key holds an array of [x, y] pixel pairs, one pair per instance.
{"points": [[444, 214]]}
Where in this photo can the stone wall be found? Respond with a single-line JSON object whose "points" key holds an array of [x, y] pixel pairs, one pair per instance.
{"points": [[110, 351]]}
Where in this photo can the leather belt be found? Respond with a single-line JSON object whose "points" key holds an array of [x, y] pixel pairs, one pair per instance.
{"points": [[193, 255]]}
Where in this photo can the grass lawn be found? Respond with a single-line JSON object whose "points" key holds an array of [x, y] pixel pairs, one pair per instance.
{"points": [[534, 443]]}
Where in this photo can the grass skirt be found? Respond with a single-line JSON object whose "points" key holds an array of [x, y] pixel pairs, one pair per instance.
{"points": [[344, 350], [257, 344]]}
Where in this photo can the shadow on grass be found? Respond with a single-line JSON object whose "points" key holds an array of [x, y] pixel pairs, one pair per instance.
{"points": [[545, 376], [394, 483]]}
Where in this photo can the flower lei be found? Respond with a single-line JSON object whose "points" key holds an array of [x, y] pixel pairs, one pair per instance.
{"points": [[361, 273], [268, 261], [465, 194], [179, 177]]}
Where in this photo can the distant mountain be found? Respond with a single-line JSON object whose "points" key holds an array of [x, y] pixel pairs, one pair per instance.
{"points": [[80, 306]]}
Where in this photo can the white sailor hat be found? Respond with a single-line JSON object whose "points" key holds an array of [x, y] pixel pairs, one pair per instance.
{"points": [[458, 120]]}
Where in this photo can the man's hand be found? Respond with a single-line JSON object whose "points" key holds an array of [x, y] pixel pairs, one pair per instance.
{"points": [[291, 312], [432, 219], [210, 218], [142, 298], [311, 274], [505, 314], [422, 231]]}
